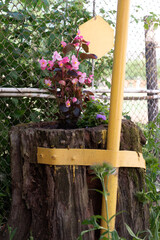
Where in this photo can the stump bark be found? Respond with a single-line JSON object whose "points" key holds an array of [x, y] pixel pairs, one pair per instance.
{"points": [[50, 202]]}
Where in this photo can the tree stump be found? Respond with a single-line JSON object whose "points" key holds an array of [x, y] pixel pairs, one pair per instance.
{"points": [[50, 202]]}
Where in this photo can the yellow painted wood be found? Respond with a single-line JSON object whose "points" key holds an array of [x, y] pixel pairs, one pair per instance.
{"points": [[87, 157], [115, 116], [112, 201], [100, 35]]}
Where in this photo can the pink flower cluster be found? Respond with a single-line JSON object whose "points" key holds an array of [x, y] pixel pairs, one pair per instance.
{"points": [[61, 62], [65, 63], [65, 74], [68, 102]]}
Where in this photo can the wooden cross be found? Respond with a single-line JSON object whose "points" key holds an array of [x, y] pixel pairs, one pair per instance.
{"points": [[112, 155]]}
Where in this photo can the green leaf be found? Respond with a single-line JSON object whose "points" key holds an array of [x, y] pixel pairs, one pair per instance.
{"points": [[99, 191], [13, 75], [116, 215], [17, 15], [34, 2], [131, 232], [11, 232], [45, 4], [146, 26], [2, 194], [26, 34], [7, 1], [15, 101], [86, 231], [115, 235], [156, 25]]}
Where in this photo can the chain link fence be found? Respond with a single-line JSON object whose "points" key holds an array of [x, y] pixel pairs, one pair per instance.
{"points": [[143, 61], [32, 29]]}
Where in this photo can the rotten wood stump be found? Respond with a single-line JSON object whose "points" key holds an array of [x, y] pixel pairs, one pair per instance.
{"points": [[51, 202]]}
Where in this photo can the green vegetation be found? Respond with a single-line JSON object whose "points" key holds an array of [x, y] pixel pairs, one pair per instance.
{"points": [[94, 114], [101, 172], [150, 195], [151, 153]]}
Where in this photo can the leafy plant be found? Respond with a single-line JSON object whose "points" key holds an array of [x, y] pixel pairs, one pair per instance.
{"points": [[65, 80], [94, 114], [12, 232], [102, 171], [151, 153], [31, 237], [151, 197], [152, 18]]}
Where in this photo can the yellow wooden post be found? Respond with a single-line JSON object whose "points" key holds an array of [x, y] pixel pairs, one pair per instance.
{"points": [[114, 128]]}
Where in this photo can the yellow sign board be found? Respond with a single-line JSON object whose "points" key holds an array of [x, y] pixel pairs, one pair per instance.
{"points": [[100, 35]]}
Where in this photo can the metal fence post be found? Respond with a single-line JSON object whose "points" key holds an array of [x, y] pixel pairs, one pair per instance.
{"points": [[151, 69]]}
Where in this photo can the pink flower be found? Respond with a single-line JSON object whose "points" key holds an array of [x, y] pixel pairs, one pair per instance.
{"points": [[68, 103], [93, 97], [68, 67], [56, 56], [60, 63], [74, 99], [74, 80], [78, 33], [78, 36], [63, 44], [88, 80], [76, 44], [87, 43], [65, 60], [50, 63], [48, 82], [75, 63], [91, 77], [62, 82], [43, 63], [79, 73], [82, 78]]}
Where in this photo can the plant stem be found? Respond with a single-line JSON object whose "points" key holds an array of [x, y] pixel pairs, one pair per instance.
{"points": [[106, 202]]}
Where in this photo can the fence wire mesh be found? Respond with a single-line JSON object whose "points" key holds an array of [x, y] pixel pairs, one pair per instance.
{"points": [[32, 29]]}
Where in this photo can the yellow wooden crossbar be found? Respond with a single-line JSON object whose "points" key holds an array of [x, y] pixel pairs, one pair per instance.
{"points": [[88, 157]]}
